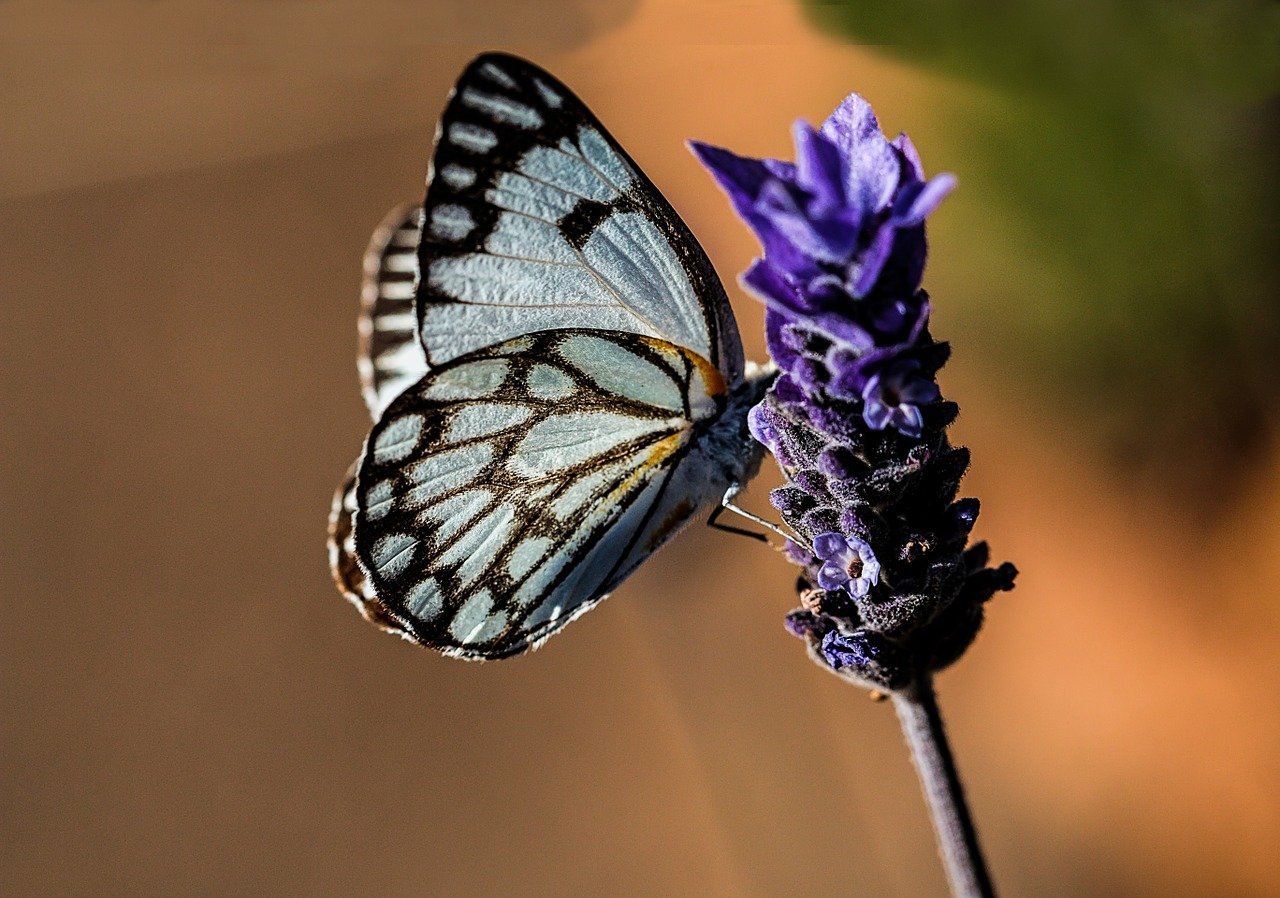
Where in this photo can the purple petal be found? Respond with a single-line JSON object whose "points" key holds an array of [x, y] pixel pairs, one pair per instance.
{"points": [[837, 327], [919, 200], [805, 624], [872, 261], [780, 168], [836, 235], [761, 426], [871, 573], [785, 390], [922, 319], [872, 162], [902, 143], [898, 319], [819, 168], [852, 123], [773, 288], [777, 199], [796, 552], [829, 545], [908, 421], [741, 177], [777, 213], [832, 576], [778, 338], [846, 384], [876, 414]]}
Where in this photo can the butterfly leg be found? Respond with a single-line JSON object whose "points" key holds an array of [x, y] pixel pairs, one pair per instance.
{"points": [[726, 504]]}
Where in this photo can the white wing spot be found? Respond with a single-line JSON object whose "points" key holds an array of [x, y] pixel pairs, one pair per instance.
{"points": [[451, 516], [546, 382], [425, 600], [471, 616], [493, 73], [406, 356], [451, 222], [398, 439], [472, 137], [445, 471], [392, 554], [379, 499], [396, 289], [503, 109], [495, 528], [526, 555], [565, 169], [519, 193], [561, 441], [404, 262], [474, 550], [476, 621], [503, 283], [457, 176], [572, 498], [640, 267], [622, 371], [547, 612], [470, 381], [522, 237], [551, 97], [479, 419], [396, 321]]}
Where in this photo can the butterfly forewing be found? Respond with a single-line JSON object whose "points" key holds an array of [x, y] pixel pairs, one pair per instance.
{"points": [[507, 491], [535, 219], [390, 355]]}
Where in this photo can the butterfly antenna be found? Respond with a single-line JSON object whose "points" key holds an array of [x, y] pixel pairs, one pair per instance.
{"points": [[726, 504]]}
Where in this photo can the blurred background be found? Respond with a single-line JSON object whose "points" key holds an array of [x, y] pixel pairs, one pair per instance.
{"points": [[186, 190]]}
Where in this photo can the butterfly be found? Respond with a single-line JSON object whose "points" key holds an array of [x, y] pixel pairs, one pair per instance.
{"points": [[554, 372]]}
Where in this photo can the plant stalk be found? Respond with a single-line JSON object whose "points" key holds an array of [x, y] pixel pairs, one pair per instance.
{"points": [[917, 708]]}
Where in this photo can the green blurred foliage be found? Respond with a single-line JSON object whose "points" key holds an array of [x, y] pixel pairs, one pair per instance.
{"points": [[1131, 148]]}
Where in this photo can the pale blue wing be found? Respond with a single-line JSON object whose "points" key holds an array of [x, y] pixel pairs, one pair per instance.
{"points": [[509, 490], [535, 219]]}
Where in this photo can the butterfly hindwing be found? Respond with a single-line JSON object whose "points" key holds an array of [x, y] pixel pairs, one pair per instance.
{"points": [[535, 219], [509, 490], [347, 574]]}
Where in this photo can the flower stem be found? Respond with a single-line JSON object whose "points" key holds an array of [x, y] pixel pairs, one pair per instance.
{"points": [[917, 708]]}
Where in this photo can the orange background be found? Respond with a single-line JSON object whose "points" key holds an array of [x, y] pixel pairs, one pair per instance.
{"points": [[189, 707]]}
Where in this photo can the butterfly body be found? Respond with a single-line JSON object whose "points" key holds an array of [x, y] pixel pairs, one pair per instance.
{"points": [[576, 391]]}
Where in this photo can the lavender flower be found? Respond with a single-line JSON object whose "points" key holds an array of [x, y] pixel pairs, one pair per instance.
{"points": [[848, 563], [894, 397], [856, 421]]}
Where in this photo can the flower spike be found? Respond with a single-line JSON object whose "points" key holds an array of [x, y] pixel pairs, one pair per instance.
{"points": [[856, 420]]}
